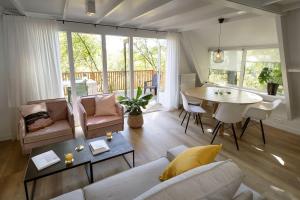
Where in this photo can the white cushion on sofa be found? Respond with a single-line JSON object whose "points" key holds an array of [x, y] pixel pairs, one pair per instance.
{"points": [[129, 184], [218, 180]]}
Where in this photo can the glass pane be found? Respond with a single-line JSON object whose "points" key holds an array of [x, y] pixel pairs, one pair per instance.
{"points": [[87, 54], [117, 48], [145, 55], [232, 61], [256, 61], [223, 77], [64, 62]]}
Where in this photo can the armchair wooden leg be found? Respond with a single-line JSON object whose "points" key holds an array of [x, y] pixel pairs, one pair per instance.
{"points": [[181, 112], [187, 122], [235, 139], [262, 131]]}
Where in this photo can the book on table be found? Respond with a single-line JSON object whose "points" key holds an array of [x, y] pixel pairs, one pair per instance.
{"points": [[45, 160], [98, 146]]}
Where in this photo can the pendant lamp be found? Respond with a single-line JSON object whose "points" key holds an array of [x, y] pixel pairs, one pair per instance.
{"points": [[218, 55]]}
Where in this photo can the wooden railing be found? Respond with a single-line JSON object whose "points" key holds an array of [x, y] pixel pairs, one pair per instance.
{"points": [[116, 79]]}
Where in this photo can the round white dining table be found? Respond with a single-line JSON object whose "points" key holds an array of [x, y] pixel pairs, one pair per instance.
{"points": [[223, 95]]}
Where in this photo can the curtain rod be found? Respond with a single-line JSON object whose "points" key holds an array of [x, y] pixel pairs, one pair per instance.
{"points": [[107, 25], [113, 26]]}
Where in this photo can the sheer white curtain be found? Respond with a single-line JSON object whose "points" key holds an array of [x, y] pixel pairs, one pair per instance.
{"points": [[171, 94], [32, 59]]}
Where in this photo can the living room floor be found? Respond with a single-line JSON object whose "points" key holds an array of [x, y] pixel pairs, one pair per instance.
{"points": [[272, 169]]}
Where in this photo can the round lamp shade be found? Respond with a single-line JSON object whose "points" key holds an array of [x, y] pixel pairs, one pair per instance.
{"points": [[218, 56]]}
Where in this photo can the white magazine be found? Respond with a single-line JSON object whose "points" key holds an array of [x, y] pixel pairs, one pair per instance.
{"points": [[98, 146], [45, 160]]}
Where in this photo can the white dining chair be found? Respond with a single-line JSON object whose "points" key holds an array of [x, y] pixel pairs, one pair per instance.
{"points": [[228, 113], [260, 111], [191, 109]]}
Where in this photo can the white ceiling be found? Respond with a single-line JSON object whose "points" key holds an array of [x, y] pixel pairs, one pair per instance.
{"points": [[166, 15]]}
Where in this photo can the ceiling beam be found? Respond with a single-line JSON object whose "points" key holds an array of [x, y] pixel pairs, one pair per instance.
{"points": [[151, 6], [109, 9], [187, 17], [183, 7], [18, 6], [211, 16], [205, 23], [270, 2], [290, 7], [65, 9], [250, 6]]}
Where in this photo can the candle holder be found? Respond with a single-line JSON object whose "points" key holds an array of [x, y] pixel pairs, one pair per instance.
{"points": [[109, 136], [69, 158]]}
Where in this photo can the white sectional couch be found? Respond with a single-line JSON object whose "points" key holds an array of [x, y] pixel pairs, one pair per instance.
{"points": [[215, 181]]}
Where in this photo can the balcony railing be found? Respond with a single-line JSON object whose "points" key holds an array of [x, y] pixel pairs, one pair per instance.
{"points": [[117, 80]]}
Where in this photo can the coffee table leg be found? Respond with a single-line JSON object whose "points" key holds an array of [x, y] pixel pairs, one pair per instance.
{"points": [[91, 172], [133, 159]]}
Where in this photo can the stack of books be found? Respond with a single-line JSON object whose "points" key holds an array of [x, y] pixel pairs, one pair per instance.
{"points": [[45, 160], [98, 146]]}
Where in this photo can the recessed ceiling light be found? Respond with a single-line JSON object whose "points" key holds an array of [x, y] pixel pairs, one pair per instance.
{"points": [[90, 7]]}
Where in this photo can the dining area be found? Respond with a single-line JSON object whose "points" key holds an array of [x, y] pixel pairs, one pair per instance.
{"points": [[230, 108]]}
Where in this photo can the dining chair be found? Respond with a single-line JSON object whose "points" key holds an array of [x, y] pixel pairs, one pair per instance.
{"points": [[196, 110], [260, 111], [228, 113]]}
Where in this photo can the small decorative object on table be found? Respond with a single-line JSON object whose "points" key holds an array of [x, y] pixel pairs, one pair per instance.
{"points": [[69, 158], [109, 136], [134, 108], [79, 147]]}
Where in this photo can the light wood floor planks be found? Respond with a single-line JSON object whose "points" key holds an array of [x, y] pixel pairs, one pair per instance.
{"points": [[272, 169]]}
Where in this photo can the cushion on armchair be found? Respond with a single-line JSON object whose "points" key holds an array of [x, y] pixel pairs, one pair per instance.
{"points": [[36, 116], [105, 105]]}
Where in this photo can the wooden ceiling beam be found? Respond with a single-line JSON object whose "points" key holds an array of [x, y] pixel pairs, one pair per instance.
{"points": [[65, 9], [109, 9], [150, 7], [18, 6]]}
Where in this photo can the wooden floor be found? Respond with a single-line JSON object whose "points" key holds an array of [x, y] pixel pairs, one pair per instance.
{"points": [[272, 169]]}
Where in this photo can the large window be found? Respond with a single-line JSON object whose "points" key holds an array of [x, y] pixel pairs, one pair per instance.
{"points": [[242, 68]]}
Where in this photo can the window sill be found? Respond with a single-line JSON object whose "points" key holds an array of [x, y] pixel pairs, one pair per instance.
{"points": [[264, 95]]}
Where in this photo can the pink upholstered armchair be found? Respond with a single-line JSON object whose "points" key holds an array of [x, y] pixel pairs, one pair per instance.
{"points": [[62, 129], [94, 126]]}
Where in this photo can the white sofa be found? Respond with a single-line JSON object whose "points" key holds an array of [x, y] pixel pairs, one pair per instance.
{"points": [[218, 180]]}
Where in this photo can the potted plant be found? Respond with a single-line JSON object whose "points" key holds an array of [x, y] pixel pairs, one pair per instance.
{"points": [[134, 108], [272, 77]]}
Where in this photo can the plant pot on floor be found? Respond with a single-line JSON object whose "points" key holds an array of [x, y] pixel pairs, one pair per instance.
{"points": [[135, 121], [272, 88]]}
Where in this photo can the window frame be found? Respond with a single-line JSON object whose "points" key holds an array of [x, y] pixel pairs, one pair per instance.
{"points": [[243, 66]]}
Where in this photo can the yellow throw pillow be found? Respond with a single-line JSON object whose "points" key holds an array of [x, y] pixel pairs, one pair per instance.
{"points": [[189, 159]]}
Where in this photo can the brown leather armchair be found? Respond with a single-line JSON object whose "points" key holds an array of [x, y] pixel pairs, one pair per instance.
{"points": [[62, 129], [95, 126]]}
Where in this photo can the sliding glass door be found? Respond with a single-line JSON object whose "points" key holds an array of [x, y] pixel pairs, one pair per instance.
{"points": [[117, 48], [149, 56]]}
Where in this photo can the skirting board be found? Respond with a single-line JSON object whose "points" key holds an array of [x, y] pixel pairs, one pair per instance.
{"points": [[3, 138], [294, 129]]}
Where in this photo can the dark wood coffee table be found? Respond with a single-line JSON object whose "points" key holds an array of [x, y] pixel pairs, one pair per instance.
{"points": [[119, 146], [80, 158]]}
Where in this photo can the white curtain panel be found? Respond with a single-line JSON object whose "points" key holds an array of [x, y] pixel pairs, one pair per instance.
{"points": [[171, 94], [32, 59]]}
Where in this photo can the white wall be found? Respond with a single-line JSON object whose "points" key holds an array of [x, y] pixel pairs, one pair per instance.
{"points": [[5, 130], [291, 38], [256, 31]]}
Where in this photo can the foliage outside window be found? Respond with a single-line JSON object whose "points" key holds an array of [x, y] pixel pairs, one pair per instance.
{"points": [[255, 61]]}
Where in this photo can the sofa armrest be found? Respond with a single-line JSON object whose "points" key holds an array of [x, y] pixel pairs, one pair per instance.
{"points": [[82, 117], [120, 109], [71, 118], [173, 152]]}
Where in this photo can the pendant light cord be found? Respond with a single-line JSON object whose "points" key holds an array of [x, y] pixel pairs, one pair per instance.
{"points": [[220, 36]]}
